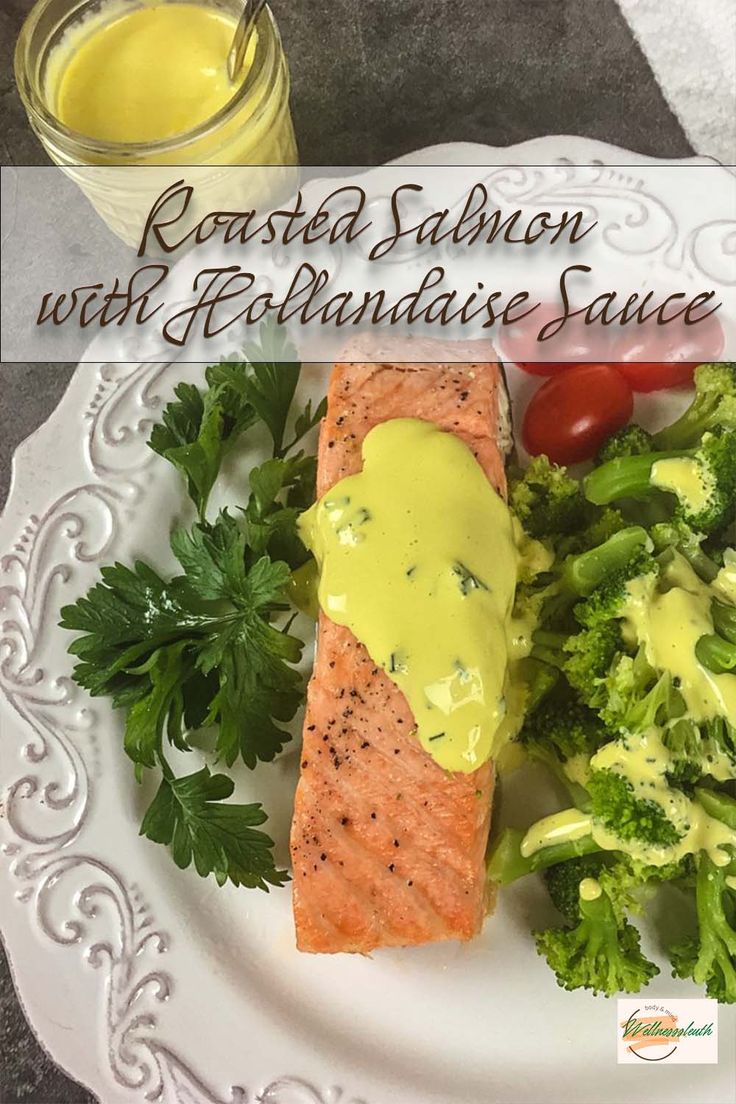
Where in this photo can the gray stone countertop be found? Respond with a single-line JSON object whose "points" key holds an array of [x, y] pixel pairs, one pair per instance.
{"points": [[373, 79]]}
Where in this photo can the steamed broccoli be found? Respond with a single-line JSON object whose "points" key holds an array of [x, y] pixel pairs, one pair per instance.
{"points": [[688, 753], [547, 502], [628, 817], [539, 680], [581, 574], [589, 655], [564, 723], [715, 461], [595, 699], [506, 863], [637, 696], [552, 597], [607, 600], [563, 881], [710, 957], [560, 729], [713, 406], [631, 440], [697, 750], [624, 881], [601, 577], [677, 534], [604, 523], [585, 657], [601, 953]]}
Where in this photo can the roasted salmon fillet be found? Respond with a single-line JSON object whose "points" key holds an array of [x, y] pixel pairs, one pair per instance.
{"points": [[387, 847]]}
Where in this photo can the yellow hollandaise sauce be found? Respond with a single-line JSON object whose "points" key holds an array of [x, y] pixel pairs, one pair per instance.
{"points": [[690, 481], [570, 824], [590, 889], [141, 74], [669, 623], [644, 761], [416, 555]]}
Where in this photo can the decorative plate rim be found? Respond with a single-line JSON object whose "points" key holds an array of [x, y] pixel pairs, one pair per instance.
{"points": [[173, 1079]]}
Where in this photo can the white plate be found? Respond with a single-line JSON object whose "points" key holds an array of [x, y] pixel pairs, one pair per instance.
{"points": [[145, 982]]}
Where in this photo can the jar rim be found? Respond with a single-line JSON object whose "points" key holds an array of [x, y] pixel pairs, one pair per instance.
{"points": [[267, 42]]}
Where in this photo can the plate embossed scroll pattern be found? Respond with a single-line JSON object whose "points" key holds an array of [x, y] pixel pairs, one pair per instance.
{"points": [[76, 897]]}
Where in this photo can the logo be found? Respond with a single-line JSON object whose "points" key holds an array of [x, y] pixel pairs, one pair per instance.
{"points": [[673, 1031]]}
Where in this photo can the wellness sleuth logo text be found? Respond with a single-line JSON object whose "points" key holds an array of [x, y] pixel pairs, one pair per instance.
{"points": [[671, 1031]]}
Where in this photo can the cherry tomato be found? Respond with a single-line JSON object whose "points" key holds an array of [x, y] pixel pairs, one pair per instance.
{"points": [[574, 343], [654, 357], [658, 376], [573, 413]]}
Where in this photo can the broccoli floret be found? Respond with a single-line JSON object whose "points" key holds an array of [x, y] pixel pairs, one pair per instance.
{"points": [[637, 697], [547, 502], [715, 460], [600, 953], [713, 406], [605, 523], [542, 602], [623, 880], [608, 599], [564, 723], [506, 863], [559, 729], [602, 575], [552, 600], [589, 656], [539, 680], [563, 882], [614, 805], [628, 881], [689, 754], [710, 957], [632, 440], [583, 573]]}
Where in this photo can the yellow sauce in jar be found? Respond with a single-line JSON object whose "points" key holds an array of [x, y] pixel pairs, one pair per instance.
{"points": [[145, 74], [145, 82], [131, 83]]}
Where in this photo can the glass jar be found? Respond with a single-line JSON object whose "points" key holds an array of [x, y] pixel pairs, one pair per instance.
{"points": [[253, 128]]}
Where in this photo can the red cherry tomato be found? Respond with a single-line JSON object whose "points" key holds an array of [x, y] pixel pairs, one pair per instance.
{"points": [[573, 413], [654, 357], [658, 376], [574, 343]]}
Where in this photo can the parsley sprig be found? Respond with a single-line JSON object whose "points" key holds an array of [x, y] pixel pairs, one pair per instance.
{"points": [[197, 430], [209, 647]]}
